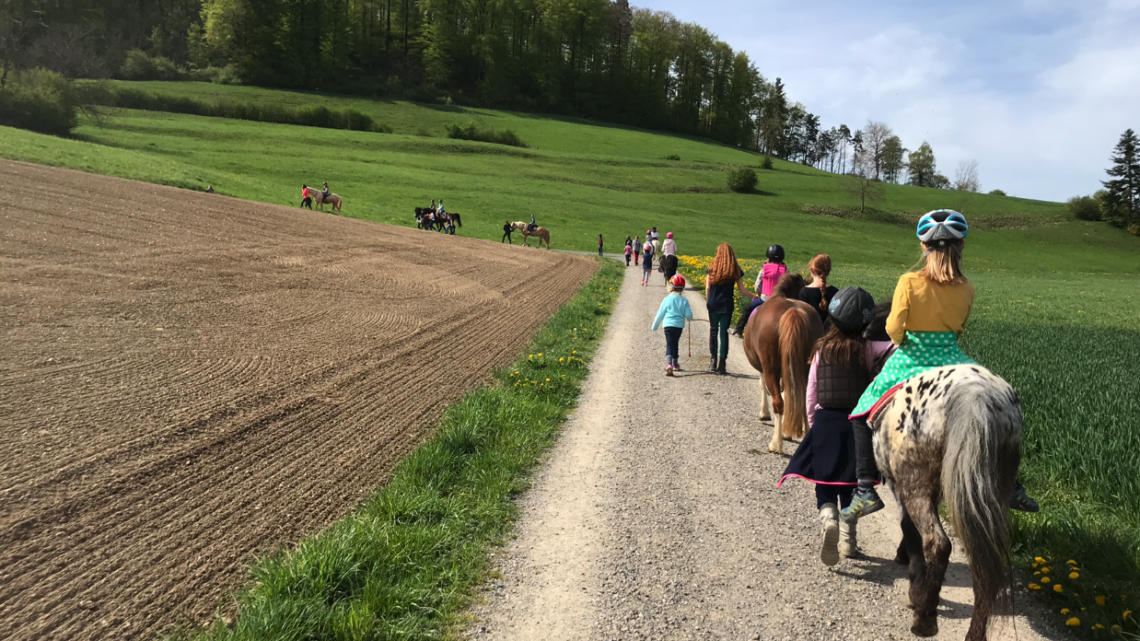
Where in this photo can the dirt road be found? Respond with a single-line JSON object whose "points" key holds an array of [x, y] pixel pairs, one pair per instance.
{"points": [[189, 380], [657, 517]]}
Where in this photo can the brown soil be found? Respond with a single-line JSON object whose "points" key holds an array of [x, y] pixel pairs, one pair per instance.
{"points": [[188, 381]]}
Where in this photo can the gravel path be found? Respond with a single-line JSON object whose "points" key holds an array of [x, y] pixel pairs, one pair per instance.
{"points": [[657, 517]]}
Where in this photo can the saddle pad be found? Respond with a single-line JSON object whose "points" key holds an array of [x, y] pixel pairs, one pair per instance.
{"points": [[882, 403]]}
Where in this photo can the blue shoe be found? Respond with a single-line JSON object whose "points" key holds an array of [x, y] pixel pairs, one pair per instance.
{"points": [[863, 502], [1021, 501]]}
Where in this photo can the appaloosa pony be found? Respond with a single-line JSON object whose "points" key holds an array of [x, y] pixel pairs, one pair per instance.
{"points": [[778, 342], [540, 233], [952, 434]]}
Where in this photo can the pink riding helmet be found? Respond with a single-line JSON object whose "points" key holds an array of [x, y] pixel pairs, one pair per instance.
{"points": [[669, 235]]}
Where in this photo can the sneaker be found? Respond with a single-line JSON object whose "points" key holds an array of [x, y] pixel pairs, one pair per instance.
{"points": [[1021, 501], [668, 370], [865, 501], [829, 550]]}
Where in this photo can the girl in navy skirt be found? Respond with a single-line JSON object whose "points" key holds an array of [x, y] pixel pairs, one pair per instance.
{"points": [[842, 366]]}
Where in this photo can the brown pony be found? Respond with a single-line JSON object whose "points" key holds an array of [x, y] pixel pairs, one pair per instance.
{"points": [[320, 201], [540, 233], [778, 343]]}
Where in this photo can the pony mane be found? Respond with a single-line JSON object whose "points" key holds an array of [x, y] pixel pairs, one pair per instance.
{"points": [[789, 286]]}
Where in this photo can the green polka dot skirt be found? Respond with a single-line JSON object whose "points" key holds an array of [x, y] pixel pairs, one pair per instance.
{"points": [[920, 351]]}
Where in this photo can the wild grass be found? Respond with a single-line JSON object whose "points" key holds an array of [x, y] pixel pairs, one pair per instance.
{"points": [[404, 563]]}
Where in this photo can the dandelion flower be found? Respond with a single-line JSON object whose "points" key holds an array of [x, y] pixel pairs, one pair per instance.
{"points": [[1071, 562], [1037, 573], [540, 354], [548, 380], [1073, 622], [1099, 626], [1100, 600], [1043, 570], [1034, 586], [1039, 560], [1074, 575], [574, 352], [1064, 610], [1058, 588], [1127, 613], [1117, 628], [1045, 579]]}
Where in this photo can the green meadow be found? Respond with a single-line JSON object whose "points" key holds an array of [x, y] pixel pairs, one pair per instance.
{"points": [[1058, 307]]}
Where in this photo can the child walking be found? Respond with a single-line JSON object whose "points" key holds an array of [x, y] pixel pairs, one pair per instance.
{"points": [[636, 249], [724, 276], [673, 313], [646, 262], [599, 244], [766, 281], [628, 251], [842, 366], [928, 314]]}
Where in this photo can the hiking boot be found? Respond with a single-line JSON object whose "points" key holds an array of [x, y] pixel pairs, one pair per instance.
{"points": [[865, 501], [848, 545], [1021, 501], [720, 367], [668, 370], [829, 518], [712, 364]]}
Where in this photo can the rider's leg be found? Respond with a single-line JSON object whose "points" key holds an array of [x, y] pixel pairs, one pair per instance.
{"points": [[865, 500]]}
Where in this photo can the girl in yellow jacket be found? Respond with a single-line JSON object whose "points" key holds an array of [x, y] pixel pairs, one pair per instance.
{"points": [[928, 314]]}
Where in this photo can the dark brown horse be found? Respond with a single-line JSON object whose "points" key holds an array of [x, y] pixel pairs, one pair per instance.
{"points": [[778, 343]]}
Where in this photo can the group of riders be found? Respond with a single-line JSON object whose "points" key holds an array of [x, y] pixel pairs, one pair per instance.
{"points": [[307, 195], [855, 366], [436, 217]]}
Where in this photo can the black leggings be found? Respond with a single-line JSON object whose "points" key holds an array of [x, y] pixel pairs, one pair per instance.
{"points": [[743, 322], [865, 467], [507, 237], [307, 202]]}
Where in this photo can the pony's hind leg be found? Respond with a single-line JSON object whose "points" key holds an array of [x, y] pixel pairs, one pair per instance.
{"points": [[929, 550], [765, 402], [771, 402]]}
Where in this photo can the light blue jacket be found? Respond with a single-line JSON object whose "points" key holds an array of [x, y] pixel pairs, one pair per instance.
{"points": [[674, 311]]}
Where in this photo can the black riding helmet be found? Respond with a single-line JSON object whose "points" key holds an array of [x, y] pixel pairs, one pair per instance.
{"points": [[775, 252], [852, 309]]}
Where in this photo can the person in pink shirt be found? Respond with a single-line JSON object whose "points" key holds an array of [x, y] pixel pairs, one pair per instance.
{"points": [[766, 281], [843, 363]]}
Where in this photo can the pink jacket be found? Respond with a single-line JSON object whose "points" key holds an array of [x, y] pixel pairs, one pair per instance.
{"points": [[768, 277]]}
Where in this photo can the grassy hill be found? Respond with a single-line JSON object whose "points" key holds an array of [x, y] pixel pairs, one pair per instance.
{"points": [[1058, 308], [578, 178]]}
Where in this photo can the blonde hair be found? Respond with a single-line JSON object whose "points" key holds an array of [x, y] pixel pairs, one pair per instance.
{"points": [[943, 265]]}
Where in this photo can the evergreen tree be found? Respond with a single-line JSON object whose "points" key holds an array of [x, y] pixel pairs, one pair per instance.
{"points": [[921, 167], [1122, 191]]}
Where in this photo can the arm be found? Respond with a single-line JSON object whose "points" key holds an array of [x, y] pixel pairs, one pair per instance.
{"points": [[660, 316], [688, 310], [742, 288], [900, 308], [812, 393], [759, 279]]}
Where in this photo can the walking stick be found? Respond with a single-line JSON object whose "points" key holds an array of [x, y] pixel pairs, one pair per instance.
{"points": [[690, 335]]}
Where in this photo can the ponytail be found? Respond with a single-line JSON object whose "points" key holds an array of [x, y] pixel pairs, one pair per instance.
{"points": [[820, 266], [823, 293]]}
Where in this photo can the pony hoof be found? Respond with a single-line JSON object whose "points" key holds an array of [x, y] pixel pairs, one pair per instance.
{"points": [[908, 602], [925, 627], [775, 449], [902, 558]]}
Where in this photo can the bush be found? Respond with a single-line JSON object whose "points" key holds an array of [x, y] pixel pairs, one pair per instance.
{"points": [[227, 75], [997, 192], [767, 164], [472, 132], [307, 116], [672, 157], [741, 179], [39, 100], [140, 66], [1085, 208]]}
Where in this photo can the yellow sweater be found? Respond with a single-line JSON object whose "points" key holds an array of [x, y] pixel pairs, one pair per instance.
{"points": [[921, 305]]}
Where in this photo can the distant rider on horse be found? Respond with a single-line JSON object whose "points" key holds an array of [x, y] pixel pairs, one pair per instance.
{"points": [[532, 226]]}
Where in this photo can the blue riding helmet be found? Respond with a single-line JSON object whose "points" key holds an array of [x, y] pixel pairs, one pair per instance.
{"points": [[942, 226]]}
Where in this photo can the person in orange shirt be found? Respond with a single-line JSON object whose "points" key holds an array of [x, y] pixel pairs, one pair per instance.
{"points": [[306, 197], [928, 314]]}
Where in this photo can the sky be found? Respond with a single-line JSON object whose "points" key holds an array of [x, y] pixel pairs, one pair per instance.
{"points": [[1038, 92]]}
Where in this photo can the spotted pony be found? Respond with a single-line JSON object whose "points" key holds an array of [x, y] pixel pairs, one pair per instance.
{"points": [[953, 434]]}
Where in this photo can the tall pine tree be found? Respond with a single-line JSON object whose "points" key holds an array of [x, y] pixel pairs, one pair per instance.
{"points": [[1122, 197]]}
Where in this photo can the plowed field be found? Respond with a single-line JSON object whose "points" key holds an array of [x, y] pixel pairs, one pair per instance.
{"points": [[188, 380]]}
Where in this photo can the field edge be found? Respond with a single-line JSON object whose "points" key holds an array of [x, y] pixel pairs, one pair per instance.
{"points": [[407, 561]]}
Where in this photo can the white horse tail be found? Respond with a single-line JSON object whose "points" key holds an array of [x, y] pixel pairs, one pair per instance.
{"points": [[979, 467]]}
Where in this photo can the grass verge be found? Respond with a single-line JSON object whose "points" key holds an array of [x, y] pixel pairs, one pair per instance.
{"points": [[405, 562]]}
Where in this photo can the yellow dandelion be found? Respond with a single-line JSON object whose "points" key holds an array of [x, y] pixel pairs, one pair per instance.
{"points": [[1116, 628], [1099, 626], [1100, 600], [573, 352], [1043, 570], [1073, 622], [1064, 610], [1034, 586], [540, 354], [1071, 562], [1058, 588], [1074, 575], [1037, 573], [1127, 613], [548, 380], [560, 359], [1039, 559], [529, 356], [1045, 579]]}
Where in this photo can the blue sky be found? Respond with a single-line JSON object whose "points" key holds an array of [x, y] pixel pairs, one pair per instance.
{"points": [[1037, 91]]}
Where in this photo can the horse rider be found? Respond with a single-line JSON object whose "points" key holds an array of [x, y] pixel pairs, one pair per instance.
{"points": [[532, 226], [306, 197], [325, 193]]}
